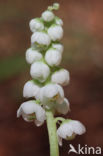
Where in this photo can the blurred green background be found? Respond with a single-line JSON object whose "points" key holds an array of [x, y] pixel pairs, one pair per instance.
{"points": [[83, 57]]}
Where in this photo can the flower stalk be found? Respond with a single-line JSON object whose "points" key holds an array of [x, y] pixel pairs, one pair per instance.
{"points": [[52, 132]]}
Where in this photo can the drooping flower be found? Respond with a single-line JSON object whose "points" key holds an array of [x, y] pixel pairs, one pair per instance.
{"points": [[51, 93], [41, 38], [61, 77], [39, 71], [30, 111], [36, 25], [64, 107], [55, 32], [47, 16], [31, 89], [69, 129], [53, 57], [32, 55], [58, 46]]}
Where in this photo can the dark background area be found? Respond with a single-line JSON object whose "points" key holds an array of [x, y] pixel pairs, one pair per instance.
{"points": [[83, 57]]}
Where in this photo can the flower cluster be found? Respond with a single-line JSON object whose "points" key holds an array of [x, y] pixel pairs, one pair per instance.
{"points": [[48, 79]]}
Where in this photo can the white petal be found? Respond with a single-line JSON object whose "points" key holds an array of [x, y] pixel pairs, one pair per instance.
{"points": [[40, 38], [61, 94], [47, 16], [59, 21], [36, 24], [64, 131], [78, 127], [61, 77], [30, 89], [39, 71], [55, 32], [53, 57], [60, 141], [32, 55], [40, 115], [58, 46], [38, 123], [64, 107]]}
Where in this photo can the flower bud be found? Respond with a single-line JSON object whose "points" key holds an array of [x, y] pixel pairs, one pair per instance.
{"points": [[36, 25], [61, 77], [32, 55], [53, 57], [56, 6], [48, 16], [39, 71], [41, 38], [30, 89], [55, 32]]}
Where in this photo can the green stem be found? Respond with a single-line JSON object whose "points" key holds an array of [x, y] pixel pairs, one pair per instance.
{"points": [[51, 125]]}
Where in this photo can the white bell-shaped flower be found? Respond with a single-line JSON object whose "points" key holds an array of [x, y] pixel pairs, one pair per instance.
{"points": [[58, 46], [48, 16], [64, 107], [39, 71], [53, 57], [61, 77], [51, 93], [58, 21], [36, 25], [69, 129], [41, 38], [55, 32], [30, 111], [32, 55], [31, 89]]}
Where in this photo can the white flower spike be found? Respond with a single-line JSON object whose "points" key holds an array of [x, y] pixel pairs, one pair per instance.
{"points": [[55, 32], [41, 38], [53, 57], [39, 71], [31, 89], [69, 129], [44, 56], [61, 77], [30, 109], [47, 16], [33, 55], [36, 25]]}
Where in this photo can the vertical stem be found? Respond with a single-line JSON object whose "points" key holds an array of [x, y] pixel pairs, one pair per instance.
{"points": [[51, 125]]}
